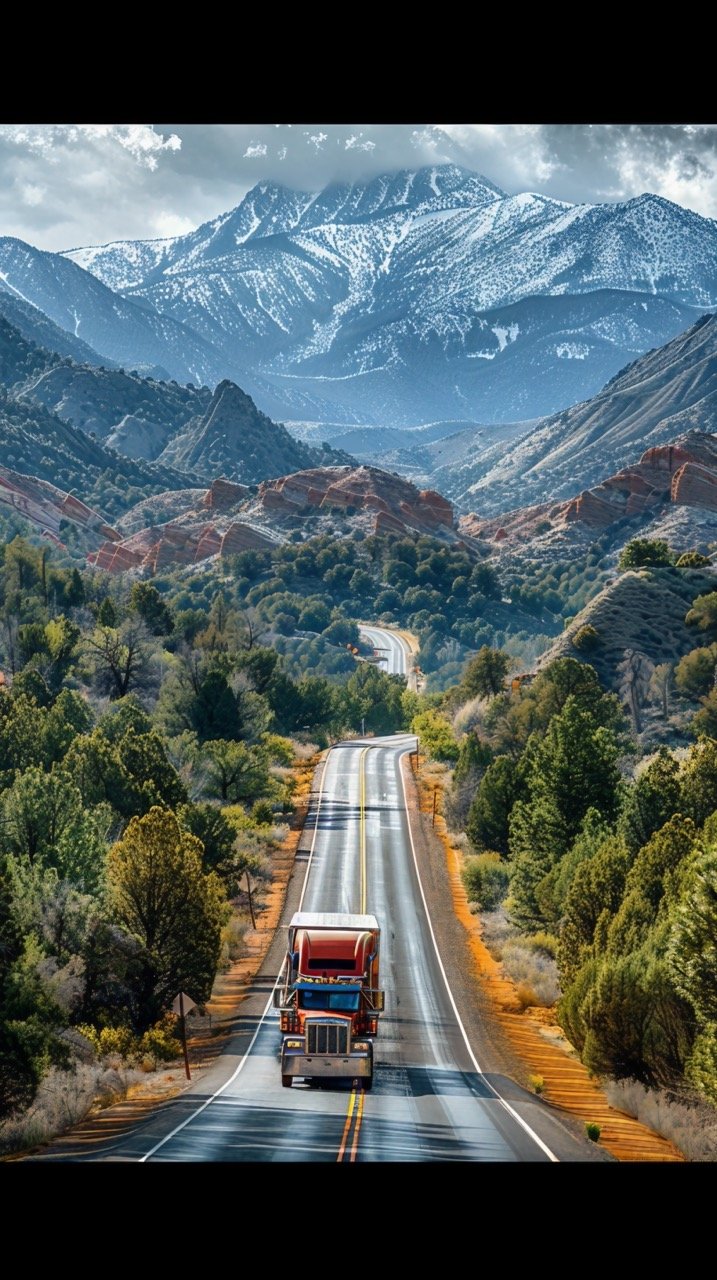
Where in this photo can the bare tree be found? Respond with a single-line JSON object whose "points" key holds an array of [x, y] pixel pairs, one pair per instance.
{"points": [[120, 657], [635, 672], [661, 685], [9, 627]]}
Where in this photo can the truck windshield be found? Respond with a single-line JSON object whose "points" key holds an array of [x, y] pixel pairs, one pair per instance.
{"points": [[338, 1001]]}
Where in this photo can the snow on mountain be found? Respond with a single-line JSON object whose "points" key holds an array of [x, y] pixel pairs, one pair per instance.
{"points": [[386, 301], [128, 332]]}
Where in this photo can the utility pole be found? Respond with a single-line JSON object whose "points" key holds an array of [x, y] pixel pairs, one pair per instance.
{"points": [[363, 726], [184, 1035], [251, 904], [435, 797]]}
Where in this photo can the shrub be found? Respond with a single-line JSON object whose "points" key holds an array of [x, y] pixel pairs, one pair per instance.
{"points": [[534, 972], [486, 880], [160, 1042], [537, 1083], [593, 1130], [109, 1041], [586, 638], [643, 553], [262, 813]]}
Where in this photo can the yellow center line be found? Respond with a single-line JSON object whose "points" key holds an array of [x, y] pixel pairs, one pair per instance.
{"points": [[355, 1094], [347, 1126], [357, 1126]]}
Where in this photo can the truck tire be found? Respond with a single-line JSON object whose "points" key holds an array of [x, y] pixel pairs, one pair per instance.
{"points": [[287, 1081], [368, 1084]]}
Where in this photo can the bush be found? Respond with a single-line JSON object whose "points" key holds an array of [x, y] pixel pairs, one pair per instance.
{"points": [[586, 638], [486, 880], [694, 674], [535, 973], [160, 1041], [593, 1130], [537, 1083], [262, 813], [110, 1041], [644, 553]]}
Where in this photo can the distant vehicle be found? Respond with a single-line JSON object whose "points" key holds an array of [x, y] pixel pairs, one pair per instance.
{"points": [[329, 1002]]}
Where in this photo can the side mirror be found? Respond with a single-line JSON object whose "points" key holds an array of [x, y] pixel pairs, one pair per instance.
{"points": [[379, 1000], [278, 997]]}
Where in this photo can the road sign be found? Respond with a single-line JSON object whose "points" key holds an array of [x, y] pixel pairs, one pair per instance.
{"points": [[183, 1004]]}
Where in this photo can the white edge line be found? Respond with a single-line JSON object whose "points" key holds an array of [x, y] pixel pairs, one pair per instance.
{"points": [[511, 1110], [269, 1004]]}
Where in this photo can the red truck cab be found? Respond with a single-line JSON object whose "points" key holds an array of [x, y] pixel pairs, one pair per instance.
{"points": [[328, 997]]}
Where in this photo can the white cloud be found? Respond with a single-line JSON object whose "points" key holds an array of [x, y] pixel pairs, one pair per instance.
{"points": [[142, 141], [357, 142], [32, 193], [171, 224], [65, 185]]}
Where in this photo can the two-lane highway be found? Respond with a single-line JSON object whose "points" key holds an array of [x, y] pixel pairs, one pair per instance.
{"points": [[395, 653], [430, 1100]]}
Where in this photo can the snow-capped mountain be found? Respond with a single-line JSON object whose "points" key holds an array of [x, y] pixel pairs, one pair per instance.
{"points": [[418, 295], [127, 332]]}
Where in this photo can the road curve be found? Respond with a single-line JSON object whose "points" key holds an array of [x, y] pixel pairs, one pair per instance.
{"points": [[395, 654], [430, 1100]]}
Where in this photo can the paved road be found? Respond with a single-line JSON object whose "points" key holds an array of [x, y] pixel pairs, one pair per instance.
{"points": [[397, 659], [430, 1100]]}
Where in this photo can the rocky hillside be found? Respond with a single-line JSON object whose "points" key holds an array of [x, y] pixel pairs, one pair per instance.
{"points": [[643, 611], [99, 400], [390, 503], [38, 444], [36, 327], [130, 333], [664, 393], [233, 438], [186, 428], [416, 296], [188, 526], [671, 492]]}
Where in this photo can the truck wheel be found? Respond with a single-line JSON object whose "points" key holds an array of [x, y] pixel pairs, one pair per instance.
{"points": [[287, 1081], [368, 1085]]}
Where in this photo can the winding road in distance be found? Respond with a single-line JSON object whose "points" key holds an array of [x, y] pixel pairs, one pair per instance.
{"points": [[396, 656], [430, 1100]]}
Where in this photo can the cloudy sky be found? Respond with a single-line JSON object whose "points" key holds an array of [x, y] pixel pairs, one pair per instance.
{"points": [[69, 185]]}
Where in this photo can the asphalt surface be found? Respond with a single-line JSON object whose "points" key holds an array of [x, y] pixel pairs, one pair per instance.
{"points": [[394, 651], [430, 1100]]}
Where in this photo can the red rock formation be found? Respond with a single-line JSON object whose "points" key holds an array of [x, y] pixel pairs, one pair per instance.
{"points": [[223, 494], [362, 488], [45, 506], [244, 537], [695, 485]]}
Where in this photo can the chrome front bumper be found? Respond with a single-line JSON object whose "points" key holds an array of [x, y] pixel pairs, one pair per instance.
{"points": [[316, 1066]]}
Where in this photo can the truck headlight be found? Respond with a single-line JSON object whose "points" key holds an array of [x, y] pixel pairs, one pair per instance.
{"points": [[294, 1044], [361, 1046]]}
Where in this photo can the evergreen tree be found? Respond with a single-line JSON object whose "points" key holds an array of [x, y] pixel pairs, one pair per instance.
{"points": [[651, 800], [161, 895], [489, 815]]}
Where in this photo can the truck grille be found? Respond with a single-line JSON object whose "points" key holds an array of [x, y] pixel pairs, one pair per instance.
{"points": [[327, 1037]]}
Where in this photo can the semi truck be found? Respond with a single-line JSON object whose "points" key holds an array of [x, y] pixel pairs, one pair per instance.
{"points": [[328, 997]]}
